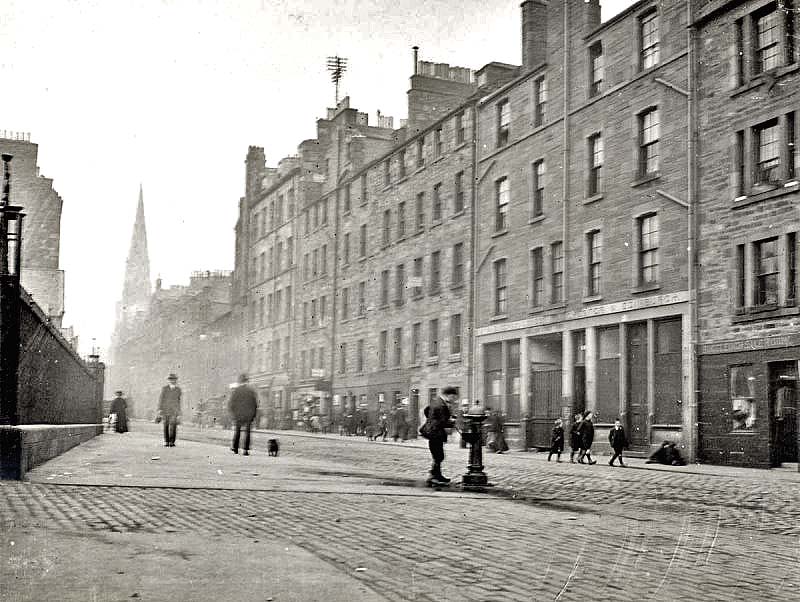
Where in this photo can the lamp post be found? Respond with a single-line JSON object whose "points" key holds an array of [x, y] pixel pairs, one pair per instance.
{"points": [[11, 217]]}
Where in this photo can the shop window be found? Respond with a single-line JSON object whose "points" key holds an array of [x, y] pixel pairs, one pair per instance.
{"points": [[743, 397]]}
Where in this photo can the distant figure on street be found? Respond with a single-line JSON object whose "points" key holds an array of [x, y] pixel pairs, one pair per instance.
{"points": [[383, 427], [575, 437], [243, 405], [119, 410], [586, 431], [400, 421], [439, 420], [557, 441], [496, 433], [618, 441], [169, 409]]}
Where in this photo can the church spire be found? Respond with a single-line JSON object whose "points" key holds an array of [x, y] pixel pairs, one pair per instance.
{"points": [[136, 290]]}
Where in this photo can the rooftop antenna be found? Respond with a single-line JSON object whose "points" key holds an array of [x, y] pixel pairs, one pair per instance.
{"points": [[337, 65]]}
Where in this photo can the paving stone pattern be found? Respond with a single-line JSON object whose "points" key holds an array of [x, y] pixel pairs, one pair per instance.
{"points": [[584, 533]]}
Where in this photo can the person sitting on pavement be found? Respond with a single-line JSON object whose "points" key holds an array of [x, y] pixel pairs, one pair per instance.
{"points": [[243, 404]]}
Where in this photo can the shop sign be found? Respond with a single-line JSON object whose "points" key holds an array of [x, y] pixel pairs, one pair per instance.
{"points": [[787, 340]]}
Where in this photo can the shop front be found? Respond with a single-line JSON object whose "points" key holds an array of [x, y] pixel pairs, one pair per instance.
{"points": [[620, 361], [748, 402]]}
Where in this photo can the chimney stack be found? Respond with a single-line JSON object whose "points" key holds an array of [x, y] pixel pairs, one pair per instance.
{"points": [[534, 33]]}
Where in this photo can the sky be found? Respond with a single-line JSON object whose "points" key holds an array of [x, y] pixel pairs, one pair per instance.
{"points": [[169, 94]]}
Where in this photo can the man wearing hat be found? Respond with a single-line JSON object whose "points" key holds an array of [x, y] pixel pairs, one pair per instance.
{"points": [[119, 409], [169, 409], [243, 405], [438, 415]]}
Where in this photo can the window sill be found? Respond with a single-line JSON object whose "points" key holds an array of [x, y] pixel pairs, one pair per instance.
{"points": [[500, 233], [400, 238], [646, 178], [457, 214], [536, 309], [399, 302], [498, 318], [592, 199], [435, 223], [455, 286], [459, 146], [766, 77], [751, 314], [556, 306], [383, 306], [780, 190], [645, 288], [435, 291], [419, 231], [454, 358], [418, 297], [592, 298], [363, 258], [432, 361], [438, 158], [536, 220]]}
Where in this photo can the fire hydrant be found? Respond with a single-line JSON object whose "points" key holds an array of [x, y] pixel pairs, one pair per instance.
{"points": [[475, 476]]}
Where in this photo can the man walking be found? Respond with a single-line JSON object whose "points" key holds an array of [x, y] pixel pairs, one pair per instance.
{"points": [[438, 414], [243, 405], [169, 409]]}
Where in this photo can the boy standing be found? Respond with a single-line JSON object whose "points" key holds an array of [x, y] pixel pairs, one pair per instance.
{"points": [[618, 441]]}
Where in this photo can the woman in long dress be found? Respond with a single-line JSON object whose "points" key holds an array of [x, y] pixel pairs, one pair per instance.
{"points": [[119, 407]]}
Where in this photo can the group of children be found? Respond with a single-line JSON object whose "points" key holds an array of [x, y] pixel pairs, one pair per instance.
{"points": [[582, 437]]}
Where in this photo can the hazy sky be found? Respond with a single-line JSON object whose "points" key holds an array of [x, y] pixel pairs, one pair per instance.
{"points": [[170, 93]]}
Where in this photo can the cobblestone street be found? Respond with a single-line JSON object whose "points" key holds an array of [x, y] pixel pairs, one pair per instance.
{"points": [[335, 518]]}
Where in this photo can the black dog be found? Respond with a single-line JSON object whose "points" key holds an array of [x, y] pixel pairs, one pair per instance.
{"points": [[272, 447]]}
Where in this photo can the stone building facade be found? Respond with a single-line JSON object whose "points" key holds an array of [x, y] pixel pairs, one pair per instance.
{"points": [[628, 220], [748, 98], [581, 253], [41, 276]]}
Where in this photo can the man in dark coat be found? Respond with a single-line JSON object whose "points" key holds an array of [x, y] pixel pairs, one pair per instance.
{"points": [[119, 407], [243, 405], [169, 409], [618, 441], [586, 431], [438, 415]]}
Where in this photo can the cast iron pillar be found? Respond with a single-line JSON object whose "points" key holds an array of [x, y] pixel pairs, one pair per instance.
{"points": [[475, 477]]}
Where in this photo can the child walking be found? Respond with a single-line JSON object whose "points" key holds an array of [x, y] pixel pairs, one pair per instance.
{"points": [[575, 437], [618, 441], [557, 441]]}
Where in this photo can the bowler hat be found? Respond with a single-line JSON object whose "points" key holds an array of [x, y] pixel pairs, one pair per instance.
{"points": [[118, 393], [172, 377]]}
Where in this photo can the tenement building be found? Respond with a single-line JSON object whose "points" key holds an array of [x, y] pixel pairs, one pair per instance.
{"points": [[40, 276], [581, 255], [748, 98]]}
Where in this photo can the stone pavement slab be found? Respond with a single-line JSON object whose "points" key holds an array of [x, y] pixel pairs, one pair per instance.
{"points": [[551, 532]]}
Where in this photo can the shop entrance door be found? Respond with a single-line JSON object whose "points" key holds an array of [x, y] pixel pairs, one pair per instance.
{"points": [[783, 412], [637, 384]]}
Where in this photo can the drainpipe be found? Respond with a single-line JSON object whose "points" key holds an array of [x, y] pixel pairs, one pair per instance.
{"points": [[473, 241], [565, 172], [691, 199]]}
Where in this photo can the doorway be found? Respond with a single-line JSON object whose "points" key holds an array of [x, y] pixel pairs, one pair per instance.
{"points": [[637, 384], [783, 412]]}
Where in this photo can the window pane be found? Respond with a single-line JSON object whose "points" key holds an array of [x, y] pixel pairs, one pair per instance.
{"points": [[768, 41]]}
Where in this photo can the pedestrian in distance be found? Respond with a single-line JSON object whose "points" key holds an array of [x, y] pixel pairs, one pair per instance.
{"points": [[557, 441], [400, 421], [586, 432], [575, 437], [169, 409], [439, 419], [119, 410], [618, 442], [243, 405]]}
